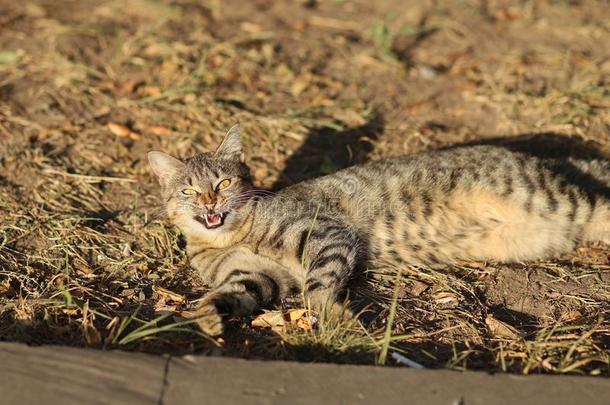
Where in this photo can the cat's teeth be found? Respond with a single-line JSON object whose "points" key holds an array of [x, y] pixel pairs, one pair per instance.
{"points": [[213, 219]]}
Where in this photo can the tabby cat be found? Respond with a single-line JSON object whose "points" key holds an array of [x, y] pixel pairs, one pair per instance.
{"points": [[470, 203]]}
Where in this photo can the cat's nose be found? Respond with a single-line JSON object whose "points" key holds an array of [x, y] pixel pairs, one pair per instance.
{"points": [[208, 200]]}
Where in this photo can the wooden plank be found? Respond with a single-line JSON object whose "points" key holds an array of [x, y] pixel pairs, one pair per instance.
{"points": [[47, 374], [52, 374], [196, 380]]}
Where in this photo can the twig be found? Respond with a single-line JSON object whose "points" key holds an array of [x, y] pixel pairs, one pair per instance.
{"points": [[89, 178]]}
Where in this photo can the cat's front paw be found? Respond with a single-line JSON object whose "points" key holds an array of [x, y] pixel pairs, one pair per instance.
{"points": [[208, 319]]}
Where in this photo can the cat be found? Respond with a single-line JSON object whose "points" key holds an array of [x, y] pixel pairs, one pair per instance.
{"points": [[465, 203]]}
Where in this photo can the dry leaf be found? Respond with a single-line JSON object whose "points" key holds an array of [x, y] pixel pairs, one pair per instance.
{"points": [[160, 130], [6, 290], [165, 308], [250, 27], [270, 319], [127, 87], [295, 314], [160, 303], [85, 270], [418, 287], [278, 321], [349, 117], [571, 316], [149, 91], [168, 295], [123, 132], [500, 329], [445, 298], [127, 250], [298, 86], [474, 265], [306, 323], [593, 255], [333, 23]]}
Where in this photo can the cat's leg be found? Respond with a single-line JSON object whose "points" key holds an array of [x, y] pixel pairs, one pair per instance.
{"points": [[330, 258], [598, 227], [594, 176], [243, 283]]}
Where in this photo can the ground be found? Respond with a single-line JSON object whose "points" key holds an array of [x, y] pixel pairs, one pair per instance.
{"points": [[88, 87]]}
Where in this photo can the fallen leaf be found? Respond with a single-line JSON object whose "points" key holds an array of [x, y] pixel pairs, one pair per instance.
{"points": [[279, 321], [299, 25], [418, 287], [169, 295], [333, 23], [500, 329], [6, 290], [270, 319], [306, 323], [250, 27], [445, 298], [594, 255], [127, 87], [474, 265], [160, 303], [267, 51], [298, 86], [123, 132], [157, 49], [571, 316], [160, 130], [349, 117], [166, 308], [127, 250], [70, 311], [8, 58], [85, 270], [102, 111], [295, 314], [149, 91], [509, 14]]}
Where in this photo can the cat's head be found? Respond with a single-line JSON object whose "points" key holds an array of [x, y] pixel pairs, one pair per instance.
{"points": [[204, 194]]}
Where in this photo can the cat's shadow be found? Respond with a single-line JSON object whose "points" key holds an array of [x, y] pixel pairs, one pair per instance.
{"points": [[546, 145], [327, 150]]}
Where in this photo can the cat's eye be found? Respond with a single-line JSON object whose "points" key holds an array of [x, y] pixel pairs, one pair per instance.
{"points": [[189, 191], [223, 184]]}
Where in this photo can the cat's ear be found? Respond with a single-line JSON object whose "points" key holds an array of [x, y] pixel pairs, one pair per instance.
{"points": [[231, 147], [164, 165]]}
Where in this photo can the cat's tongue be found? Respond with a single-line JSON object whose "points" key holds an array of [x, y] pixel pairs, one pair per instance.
{"points": [[213, 220]]}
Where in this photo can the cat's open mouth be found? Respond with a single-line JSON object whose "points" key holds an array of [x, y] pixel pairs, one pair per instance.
{"points": [[211, 221]]}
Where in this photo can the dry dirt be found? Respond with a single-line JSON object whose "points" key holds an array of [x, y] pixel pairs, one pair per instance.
{"points": [[88, 87]]}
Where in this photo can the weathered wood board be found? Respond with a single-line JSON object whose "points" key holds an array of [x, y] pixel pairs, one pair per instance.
{"points": [[48, 374], [56, 374]]}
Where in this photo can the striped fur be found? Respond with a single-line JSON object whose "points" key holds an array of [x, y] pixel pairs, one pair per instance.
{"points": [[469, 203]]}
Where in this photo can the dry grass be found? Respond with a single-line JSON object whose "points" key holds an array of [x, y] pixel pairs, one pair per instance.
{"points": [[87, 88]]}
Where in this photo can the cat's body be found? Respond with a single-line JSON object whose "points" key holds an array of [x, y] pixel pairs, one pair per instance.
{"points": [[469, 203]]}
